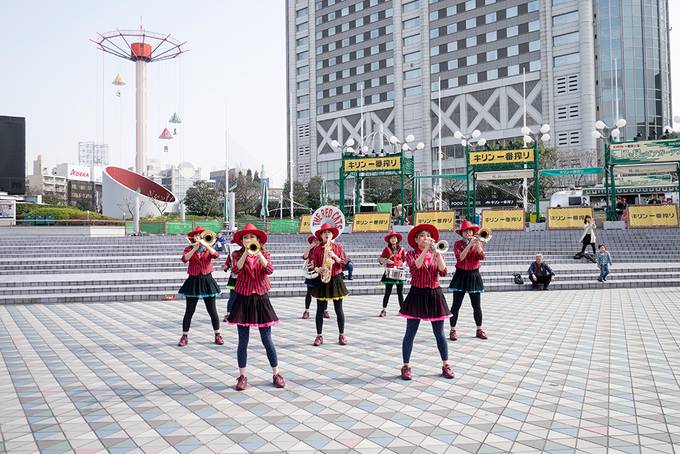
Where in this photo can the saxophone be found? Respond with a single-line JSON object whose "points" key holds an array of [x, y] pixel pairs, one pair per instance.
{"points": [[327, 263]]}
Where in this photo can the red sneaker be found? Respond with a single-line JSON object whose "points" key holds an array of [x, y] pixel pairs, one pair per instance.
{"points": [[326, 314], [305, 315], [383, 313], [241, 383], [447, 372], [342, 339], [452, 334], [218, 339], [279, 382], [318, 341], [406, 373], [480, 334], [183, 341]]}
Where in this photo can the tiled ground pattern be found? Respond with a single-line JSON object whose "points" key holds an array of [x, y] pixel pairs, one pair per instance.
{"points": [[563, 371]]}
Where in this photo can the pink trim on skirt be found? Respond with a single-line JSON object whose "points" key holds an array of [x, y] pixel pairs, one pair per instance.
{"points": [[256, 325], [443, 317]]}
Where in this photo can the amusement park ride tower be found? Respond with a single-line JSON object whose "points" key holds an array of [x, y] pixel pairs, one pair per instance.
{"points": [[141, 47]]}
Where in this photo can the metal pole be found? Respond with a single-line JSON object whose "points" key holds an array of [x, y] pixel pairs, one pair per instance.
{"points": [[136, 213], [357, 193], [141, 116], [413, 196], [341, 184], [474, 197], [439, 160], [226, 173], [403, 200], [292, 216], [612, 180], [467, 179], [537, 183]]}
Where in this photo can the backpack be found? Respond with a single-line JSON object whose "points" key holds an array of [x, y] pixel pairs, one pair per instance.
{"points": [[518, 279]]}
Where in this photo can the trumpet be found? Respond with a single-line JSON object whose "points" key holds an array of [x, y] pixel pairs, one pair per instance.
{"points": [[442, 246], [208, 237], [254, 248], [484, 235]]}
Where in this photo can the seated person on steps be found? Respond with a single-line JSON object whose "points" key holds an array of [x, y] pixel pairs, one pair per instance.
{"points": [[540, 273]]}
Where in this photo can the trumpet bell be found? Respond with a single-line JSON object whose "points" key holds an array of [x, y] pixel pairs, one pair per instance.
{"points": [[254, 248], [484, 235], [442, 246], [209, 237]]}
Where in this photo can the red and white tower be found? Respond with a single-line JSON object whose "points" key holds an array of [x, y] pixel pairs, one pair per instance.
{"points": [[141, 47]]}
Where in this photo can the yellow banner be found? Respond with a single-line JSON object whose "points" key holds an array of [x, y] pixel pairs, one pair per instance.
{"points": [[512, 219], [373, 164], [443, 220], [480, 158], [371, 222], [305, 223], [642, 216], [568, 218]]}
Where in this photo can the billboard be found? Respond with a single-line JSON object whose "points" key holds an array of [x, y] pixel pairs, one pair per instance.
{"points": [[13, 155], [74, 172]]}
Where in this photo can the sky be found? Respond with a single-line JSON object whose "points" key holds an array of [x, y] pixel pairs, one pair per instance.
{"points": [[53, 75]]}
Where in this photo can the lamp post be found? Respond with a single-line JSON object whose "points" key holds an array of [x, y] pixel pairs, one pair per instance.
{"points": [[530, 137], [348, 151], [609, 135], [466, 141]]}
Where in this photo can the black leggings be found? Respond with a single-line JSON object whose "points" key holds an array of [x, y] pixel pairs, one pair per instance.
{"points": [[192, 301], [585, 245], [475, 299], [321, 306], [308, 298], [388, 292]]}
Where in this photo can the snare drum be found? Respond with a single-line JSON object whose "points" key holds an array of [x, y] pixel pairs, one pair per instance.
{"points": [[396, 274]]}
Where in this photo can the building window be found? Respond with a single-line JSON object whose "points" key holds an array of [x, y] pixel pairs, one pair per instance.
{"points": [[513, 31], [412, 57], [511, 12], [411, 23], [434, 68], [513, 70], [532, 6], [471, 60], [302, 41], [303, 85], [563, 40], [490, 18], [513, 50], [434, 33], [302, 114], [535, 65], [411, 40], [568, 112], [412, 91], [301, 12], [302, 70], [452, 46], [451, 29], [470, 23], [491, 36], [472, 78], [534, 26], [411, 6], [412, 74], [534, 46], [450, 11], [569, 138], [303, 99], [302, 56], [451, 65], [568, 59], [434, 51], [303, 27], [492, 55], [564, 19], [471, 41], [492, 74], [470, 5]]}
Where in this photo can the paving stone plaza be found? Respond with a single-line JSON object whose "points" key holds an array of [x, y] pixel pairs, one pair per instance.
{"points": [[592, 370]]}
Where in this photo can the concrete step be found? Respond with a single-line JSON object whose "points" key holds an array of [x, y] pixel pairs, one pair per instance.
{"points": [[300, 292]]}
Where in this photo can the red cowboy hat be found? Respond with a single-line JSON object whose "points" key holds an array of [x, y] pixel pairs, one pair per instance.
{"points": [[326, 228], [250, 228], [195, 232], [311, 238], [467, 225], [434, 233], [391, 234]]}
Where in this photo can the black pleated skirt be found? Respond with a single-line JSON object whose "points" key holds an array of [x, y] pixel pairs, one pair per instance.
{"points": [[231, 283], [427, 304], [469, 281], [201, 286], [334, 290], [252, 310]]}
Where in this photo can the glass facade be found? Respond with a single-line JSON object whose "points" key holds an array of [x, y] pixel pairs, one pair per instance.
{"points": [[641, 72]]}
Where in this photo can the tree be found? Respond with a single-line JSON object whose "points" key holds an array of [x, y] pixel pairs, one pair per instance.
{"points": [[202, 200], [53, 199], [160, 201], [248, 193], [299, 197], [314, 192]]}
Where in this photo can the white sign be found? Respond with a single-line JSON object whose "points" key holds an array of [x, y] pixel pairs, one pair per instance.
{"points": [[8, 210], [74, 172]]}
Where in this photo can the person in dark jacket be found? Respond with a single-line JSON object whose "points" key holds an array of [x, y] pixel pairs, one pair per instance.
{"points": [[540, 273]]}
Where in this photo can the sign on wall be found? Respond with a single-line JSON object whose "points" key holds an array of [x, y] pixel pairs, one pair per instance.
{"points": [[503, 219], [646, 151], [371, 222], [645, 216], [479, 158], [443, 220], [568, 218], [305, 223], [388, 163]]}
